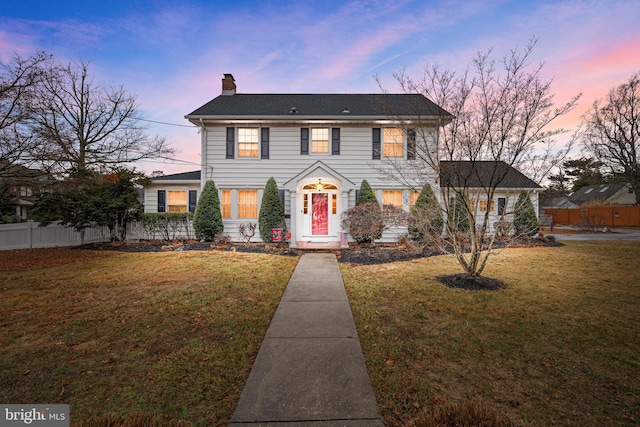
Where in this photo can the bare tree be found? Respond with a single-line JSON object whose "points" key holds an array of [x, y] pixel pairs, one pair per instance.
{"points": [[82, 125], [495, 117], [18, 79], [613, 130]]}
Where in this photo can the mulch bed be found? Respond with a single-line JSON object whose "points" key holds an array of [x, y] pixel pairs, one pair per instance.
{"points": [[356, 254], [471, 283]]}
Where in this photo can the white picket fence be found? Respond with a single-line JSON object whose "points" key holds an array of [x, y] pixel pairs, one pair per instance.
{"points": [[27, 235]]}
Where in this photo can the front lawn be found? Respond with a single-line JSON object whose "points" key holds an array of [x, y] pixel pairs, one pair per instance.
{"points": [[167, 334], [559, 346]]}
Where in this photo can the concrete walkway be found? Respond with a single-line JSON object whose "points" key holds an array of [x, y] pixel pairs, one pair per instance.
{"points": [[310, 370]]}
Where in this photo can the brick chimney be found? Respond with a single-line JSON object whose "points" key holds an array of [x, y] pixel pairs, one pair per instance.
{"points": [[228, 85]]}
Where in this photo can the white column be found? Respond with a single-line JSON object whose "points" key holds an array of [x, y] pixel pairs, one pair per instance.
{"points": [[293, 212]]}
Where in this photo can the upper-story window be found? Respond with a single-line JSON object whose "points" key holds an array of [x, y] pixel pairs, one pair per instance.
{"points": [[320, 140], [392, 141], [248, 142]]}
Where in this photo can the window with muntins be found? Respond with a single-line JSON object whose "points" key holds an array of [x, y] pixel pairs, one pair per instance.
{"points": [[320, 140], [392, 140], [247, 142], [392, 197], [225, 203], [176, 201], [483, 206], [247, 203], [413, 198]]}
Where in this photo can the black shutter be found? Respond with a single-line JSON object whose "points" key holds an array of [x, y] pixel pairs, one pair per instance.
{"points": [[376, 144], [411, 144], [193, 200], [304, 140], [335, 141], [281, 194], [162, 200], [264, 143], [357, 195], [231, 143]]}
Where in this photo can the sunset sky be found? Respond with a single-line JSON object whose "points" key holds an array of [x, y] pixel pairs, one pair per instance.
{"points": [[172, 55]]}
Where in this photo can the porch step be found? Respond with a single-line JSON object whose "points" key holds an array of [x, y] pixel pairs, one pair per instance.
{"points": [[317, 245]]}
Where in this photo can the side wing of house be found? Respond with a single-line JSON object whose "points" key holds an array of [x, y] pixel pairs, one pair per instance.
{"points": [[173, 193], [482, 178]]}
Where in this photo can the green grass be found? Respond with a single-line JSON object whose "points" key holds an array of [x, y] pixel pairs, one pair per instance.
{"points": [[559, 346], [169, 334], [174, 335]]}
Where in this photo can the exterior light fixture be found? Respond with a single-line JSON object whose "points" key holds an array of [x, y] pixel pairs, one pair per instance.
{"points": [[319, 185]]}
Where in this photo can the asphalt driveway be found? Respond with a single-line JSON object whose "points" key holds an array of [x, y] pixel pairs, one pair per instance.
{"points": [[613, 234]]}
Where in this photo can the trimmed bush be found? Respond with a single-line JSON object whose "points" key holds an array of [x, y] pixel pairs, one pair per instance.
{"points": [[271, 211], [364, 223], [366, 194], [167, 225], [524, 217], [426, 216], [207, 220]]}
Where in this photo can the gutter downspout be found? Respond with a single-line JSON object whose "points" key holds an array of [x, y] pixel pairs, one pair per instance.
{"points": [[203, 154]]}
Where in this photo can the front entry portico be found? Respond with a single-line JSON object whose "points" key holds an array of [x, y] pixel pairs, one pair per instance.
{"points": [[318, 197]]}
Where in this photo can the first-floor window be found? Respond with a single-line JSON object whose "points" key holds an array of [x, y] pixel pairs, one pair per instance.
{"points": [[176, 201], [483, 206], [225, 203], [247, 203], [392, 197], [413, 199]]}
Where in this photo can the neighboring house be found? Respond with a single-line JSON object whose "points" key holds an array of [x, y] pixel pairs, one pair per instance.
{"points": [[318, 147], [561, 202], [479, 176], [619, 193], [173, 193], [22, 186]]}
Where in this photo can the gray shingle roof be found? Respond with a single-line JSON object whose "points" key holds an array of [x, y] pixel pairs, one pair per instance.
{"points": [[184, 176], [483, 174], [306, 105], [600, 192]]}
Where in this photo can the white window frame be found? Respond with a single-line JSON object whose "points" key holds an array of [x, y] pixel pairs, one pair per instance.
{"points": [[391, 141], [313, 138], [243, 133]]}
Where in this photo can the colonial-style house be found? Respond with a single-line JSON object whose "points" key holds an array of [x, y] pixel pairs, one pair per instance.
{"points": [[318, 147]]}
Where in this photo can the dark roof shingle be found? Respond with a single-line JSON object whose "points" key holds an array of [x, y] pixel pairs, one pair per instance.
{"points": [[184, 176], [483, 174], [306, 105]]}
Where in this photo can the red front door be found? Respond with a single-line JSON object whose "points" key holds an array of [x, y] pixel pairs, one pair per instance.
{"points": [[320, 214]]}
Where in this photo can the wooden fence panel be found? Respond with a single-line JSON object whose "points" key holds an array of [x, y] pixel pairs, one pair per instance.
{"points": [[611, 216]]}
